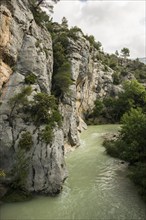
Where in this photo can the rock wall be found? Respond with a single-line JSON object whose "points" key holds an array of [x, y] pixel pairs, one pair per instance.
{"points": [[27, 48]]}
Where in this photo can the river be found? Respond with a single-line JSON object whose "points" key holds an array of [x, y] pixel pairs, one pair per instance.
{"points": [[97, 188]]}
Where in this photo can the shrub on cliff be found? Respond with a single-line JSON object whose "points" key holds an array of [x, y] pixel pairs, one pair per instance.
{"points": [[42, 108], [30, 78], [62, 80], [25, 141], [46, 134]]}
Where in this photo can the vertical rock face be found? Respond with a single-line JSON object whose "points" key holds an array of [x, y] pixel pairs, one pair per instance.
{"points": [[5, 70], [90, 81], [26, 48]]}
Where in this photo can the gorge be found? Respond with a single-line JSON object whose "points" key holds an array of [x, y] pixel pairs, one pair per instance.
{"points": [[50, 78]]}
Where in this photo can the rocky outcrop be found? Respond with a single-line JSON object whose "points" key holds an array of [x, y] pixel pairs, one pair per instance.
{"points": [[89, 76]]}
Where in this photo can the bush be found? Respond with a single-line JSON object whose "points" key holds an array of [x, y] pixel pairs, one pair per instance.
{"points": [[111, 148], [62, 80], [42, 107], [46, 134], [138, 176], [131, 146], [98, 108], [30, 78], [133, 134], [116, 78], [19, 171], [19, 100], [124, 73], [25, 141], [73, 33], [56, 116]]}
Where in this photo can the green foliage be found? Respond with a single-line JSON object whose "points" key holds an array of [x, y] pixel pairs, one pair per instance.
{"points": [[138, 176], [56, 117], [124, 73], [59, 56], [125, 52], [42, 107], [43, 111], [134, 93], [61, 68], [41, 18], [20, 98], [111, 148], [93, 43], [98, 108], [25, 141], [116, 78], [64, 23], [133, 96], [30, 78], [62, 79], [131, 146], [19, 171], [117, 53], [133, 134], [113, 62], [73, 33], [46, 134]]}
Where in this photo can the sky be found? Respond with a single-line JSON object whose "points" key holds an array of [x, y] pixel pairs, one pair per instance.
{"points": [[115, 23]]}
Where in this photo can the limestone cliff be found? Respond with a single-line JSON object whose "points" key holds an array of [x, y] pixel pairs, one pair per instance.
{"points": [[26, 48]]}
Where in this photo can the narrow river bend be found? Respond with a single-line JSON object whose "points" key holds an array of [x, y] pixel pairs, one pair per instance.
{"points": [[97, 188]]}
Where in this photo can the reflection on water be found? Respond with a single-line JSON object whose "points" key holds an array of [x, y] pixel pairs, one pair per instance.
{"points": [[97, 188]]}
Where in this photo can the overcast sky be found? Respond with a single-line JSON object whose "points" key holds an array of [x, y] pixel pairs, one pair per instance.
{"points": [[115, 23]]}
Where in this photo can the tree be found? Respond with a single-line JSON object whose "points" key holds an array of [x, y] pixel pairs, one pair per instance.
{"points": [[64, 23], [117, 53], [133, 134], [19, 100], [125, 52], [135, 92], [45, 5], [98, 108]]}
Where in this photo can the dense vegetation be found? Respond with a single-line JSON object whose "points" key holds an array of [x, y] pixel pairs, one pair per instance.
{"points": [[131, 146], [123, 67], [129, 108], [112, 109]]}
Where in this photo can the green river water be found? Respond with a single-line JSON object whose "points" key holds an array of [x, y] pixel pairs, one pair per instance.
{"points": [[97, 188]]}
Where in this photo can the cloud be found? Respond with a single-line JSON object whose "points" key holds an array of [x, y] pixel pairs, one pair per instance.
{"points": [[116, 24]]}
